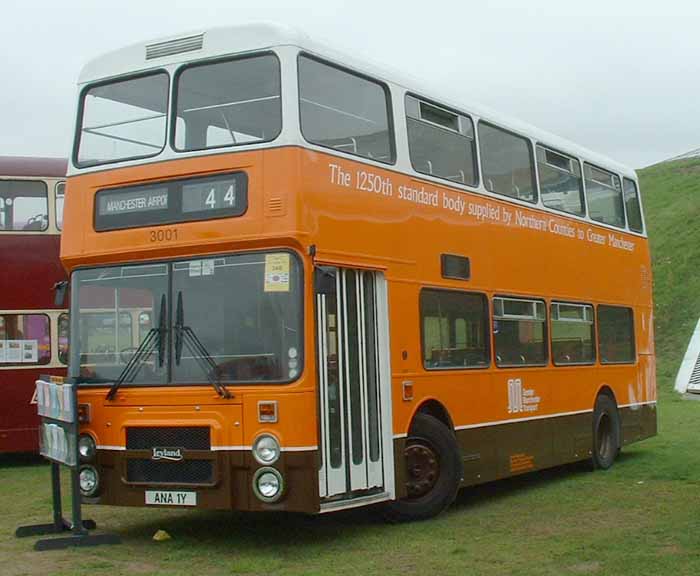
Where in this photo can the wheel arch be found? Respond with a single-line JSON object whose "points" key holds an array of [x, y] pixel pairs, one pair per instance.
{"points": [[606, 391], [437, 410]]}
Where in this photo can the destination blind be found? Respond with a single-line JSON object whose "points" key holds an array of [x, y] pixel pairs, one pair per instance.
{"points": [[185, 200]]}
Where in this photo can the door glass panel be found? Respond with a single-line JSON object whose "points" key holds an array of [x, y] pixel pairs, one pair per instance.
{"points": [[354, 366], [371, 362], [349, 382], [332, 361]]}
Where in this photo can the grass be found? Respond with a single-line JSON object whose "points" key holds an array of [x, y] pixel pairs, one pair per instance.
{"points": [[641, 517]]}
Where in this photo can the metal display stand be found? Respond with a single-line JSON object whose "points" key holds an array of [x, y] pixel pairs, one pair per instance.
{"points": [[57, 404]]}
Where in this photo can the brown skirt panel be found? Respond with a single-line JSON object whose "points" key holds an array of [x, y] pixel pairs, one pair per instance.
{"points": [[501, 450]]}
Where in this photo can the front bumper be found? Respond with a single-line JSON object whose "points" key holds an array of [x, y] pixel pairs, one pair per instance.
{"points": [[228, 487]]}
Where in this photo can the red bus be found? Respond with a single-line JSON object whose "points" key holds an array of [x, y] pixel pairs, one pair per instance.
{"points": [[33, 331]]}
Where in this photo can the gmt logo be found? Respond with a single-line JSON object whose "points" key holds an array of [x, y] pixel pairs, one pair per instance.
{"points": [[171, 454], [521, 399]]}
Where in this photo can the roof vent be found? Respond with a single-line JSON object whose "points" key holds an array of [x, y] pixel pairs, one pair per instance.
{"points": [[170, 47]]}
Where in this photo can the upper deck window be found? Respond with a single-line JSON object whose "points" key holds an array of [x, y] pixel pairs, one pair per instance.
{"points": [[228, 103], [634, 210], [123, 120], [344, 111], [24, 205], [561, 184], [441, 142], [604, 196], [506, 163]]}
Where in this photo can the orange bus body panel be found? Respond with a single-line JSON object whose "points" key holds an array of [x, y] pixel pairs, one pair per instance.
{"points": [[299, 198]]}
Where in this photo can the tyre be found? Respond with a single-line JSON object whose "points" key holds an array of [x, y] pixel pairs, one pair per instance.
{"points": [[606, 432], [433, 471]]}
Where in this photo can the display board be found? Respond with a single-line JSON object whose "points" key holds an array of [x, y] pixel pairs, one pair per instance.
{"points": [[57, 406], [182, 200]]}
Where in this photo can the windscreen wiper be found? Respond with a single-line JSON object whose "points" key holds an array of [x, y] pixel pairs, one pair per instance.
{"points": [[184, 335], [155, 338]]}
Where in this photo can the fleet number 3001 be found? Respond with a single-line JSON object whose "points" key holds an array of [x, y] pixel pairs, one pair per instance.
{"points": [[165, 235]]}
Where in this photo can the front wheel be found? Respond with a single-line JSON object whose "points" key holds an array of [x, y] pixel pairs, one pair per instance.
{"points": [[433, 471], [606, 432]]}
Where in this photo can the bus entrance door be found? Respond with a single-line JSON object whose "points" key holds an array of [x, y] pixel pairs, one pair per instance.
{"points": [[351, 343]]}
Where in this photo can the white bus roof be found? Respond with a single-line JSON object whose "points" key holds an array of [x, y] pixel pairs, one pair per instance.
{"points": [[217, 42]]}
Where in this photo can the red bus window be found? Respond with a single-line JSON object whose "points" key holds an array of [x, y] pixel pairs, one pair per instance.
{"points": [[63, 331], [24, 205], [24, 339]]}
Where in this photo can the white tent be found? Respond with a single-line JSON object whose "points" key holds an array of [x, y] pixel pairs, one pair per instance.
{"points": [[688, 377]]}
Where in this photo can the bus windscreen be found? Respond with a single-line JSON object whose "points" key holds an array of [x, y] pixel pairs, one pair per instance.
{"points": [[232, 319]]}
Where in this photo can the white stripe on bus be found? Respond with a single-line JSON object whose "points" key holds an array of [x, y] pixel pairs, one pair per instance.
{"points": [[541, 417]]}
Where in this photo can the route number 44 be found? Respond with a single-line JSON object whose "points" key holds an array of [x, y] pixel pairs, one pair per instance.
{"points": [[229, 197]]}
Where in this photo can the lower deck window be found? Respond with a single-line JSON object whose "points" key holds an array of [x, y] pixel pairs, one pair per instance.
{"points": [[24, 339], [519, 330], [572, 333], [616, 335], [455, 329]]}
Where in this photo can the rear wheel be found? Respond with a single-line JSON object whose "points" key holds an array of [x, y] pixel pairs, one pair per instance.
{"points": [[606, 432], [433, 471]]}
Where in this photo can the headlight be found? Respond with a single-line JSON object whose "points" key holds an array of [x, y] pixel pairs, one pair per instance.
{"points": [[89, 480], [86, 447], [266, 449], [268, 484]]}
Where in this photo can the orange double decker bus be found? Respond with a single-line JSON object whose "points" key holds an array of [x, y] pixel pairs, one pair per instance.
{"points": [[348, 289]]}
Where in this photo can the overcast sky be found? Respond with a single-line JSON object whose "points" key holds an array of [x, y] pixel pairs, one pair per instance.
{"points": [[621, 77]]}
